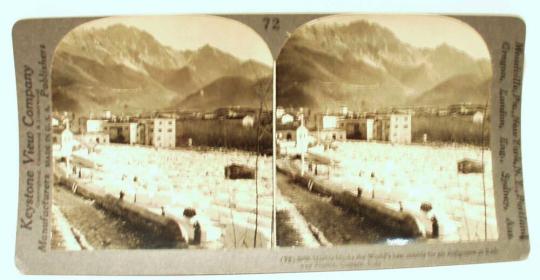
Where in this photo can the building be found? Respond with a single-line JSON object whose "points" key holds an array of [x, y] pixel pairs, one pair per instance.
{"points": [[443, 112], [395, 128], [400, 128], [225, 113], [459, 109], [287, 119], [55, 122], [279, 112], [121, 132], [478, 117], [330, 135], [95, 125], [209, 116], [94, 138], [157, 132], [359, 128], [329, 128], [248, 121], [107, 115], [344, 110], [327, 122], [286, 134]]}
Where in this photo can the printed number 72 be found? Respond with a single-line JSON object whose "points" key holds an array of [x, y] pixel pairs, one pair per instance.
{"points": [[272, 23]]}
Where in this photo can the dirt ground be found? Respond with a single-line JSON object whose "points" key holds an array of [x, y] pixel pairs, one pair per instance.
{"points": [[337, 225], [286, 235], [101, 230]]}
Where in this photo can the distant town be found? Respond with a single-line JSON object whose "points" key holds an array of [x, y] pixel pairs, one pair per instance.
{"points": [[392, 125], [165, 129]]}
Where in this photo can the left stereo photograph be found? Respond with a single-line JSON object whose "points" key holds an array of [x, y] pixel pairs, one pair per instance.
{"points": [[162, 135]]}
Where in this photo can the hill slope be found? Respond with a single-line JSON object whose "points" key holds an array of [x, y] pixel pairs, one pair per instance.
{"points": [[366, 67], [230, 91], [124, 69]]}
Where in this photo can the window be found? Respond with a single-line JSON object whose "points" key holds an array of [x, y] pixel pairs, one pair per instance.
{"points": [[169, 130], [159, 130], [170, 122], [405, 126]]}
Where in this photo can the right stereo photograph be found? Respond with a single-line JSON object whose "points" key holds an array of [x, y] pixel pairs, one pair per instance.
{"points": [[383, 133]]}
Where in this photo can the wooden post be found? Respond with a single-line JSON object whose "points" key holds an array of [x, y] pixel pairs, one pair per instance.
{"points": [[302, 164]]}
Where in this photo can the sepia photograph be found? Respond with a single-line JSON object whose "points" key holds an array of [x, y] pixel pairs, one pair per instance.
{"points": [[248, 143], [162, 135], [383, 133]]}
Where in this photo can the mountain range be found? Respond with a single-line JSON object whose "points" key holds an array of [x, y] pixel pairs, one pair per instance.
{"points": [[125, 69], [366, 67]]}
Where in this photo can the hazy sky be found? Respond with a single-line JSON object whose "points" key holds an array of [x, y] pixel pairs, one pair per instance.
{"points": [[193, 32], [423, 31]]}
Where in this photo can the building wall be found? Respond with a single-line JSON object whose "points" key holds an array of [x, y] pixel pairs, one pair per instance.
{"points": [[145, 132], [279, 112], [132, 133], [352, 129], [93, 126], [400, 129], [369, 129], [286, 119], [381, 127], [395, 128], [286, 135], [121, 132], [81, 125], [360, 129], [94, 138], [164, 133], [248, 121], [331, 135], [329, 122]]}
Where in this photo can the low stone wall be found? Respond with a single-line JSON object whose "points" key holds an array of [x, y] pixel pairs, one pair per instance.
{"points": [[403, 223], [163, 226]]}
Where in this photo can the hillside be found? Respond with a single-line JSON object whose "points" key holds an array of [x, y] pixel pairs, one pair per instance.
{"points": [[229, 91], [366, 67], [124, 69], [473, 89]]}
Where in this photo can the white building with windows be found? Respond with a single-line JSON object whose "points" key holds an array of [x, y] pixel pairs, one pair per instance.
{"points": [[159, 132], [95, 125], [400, 129], [329, 122]]}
